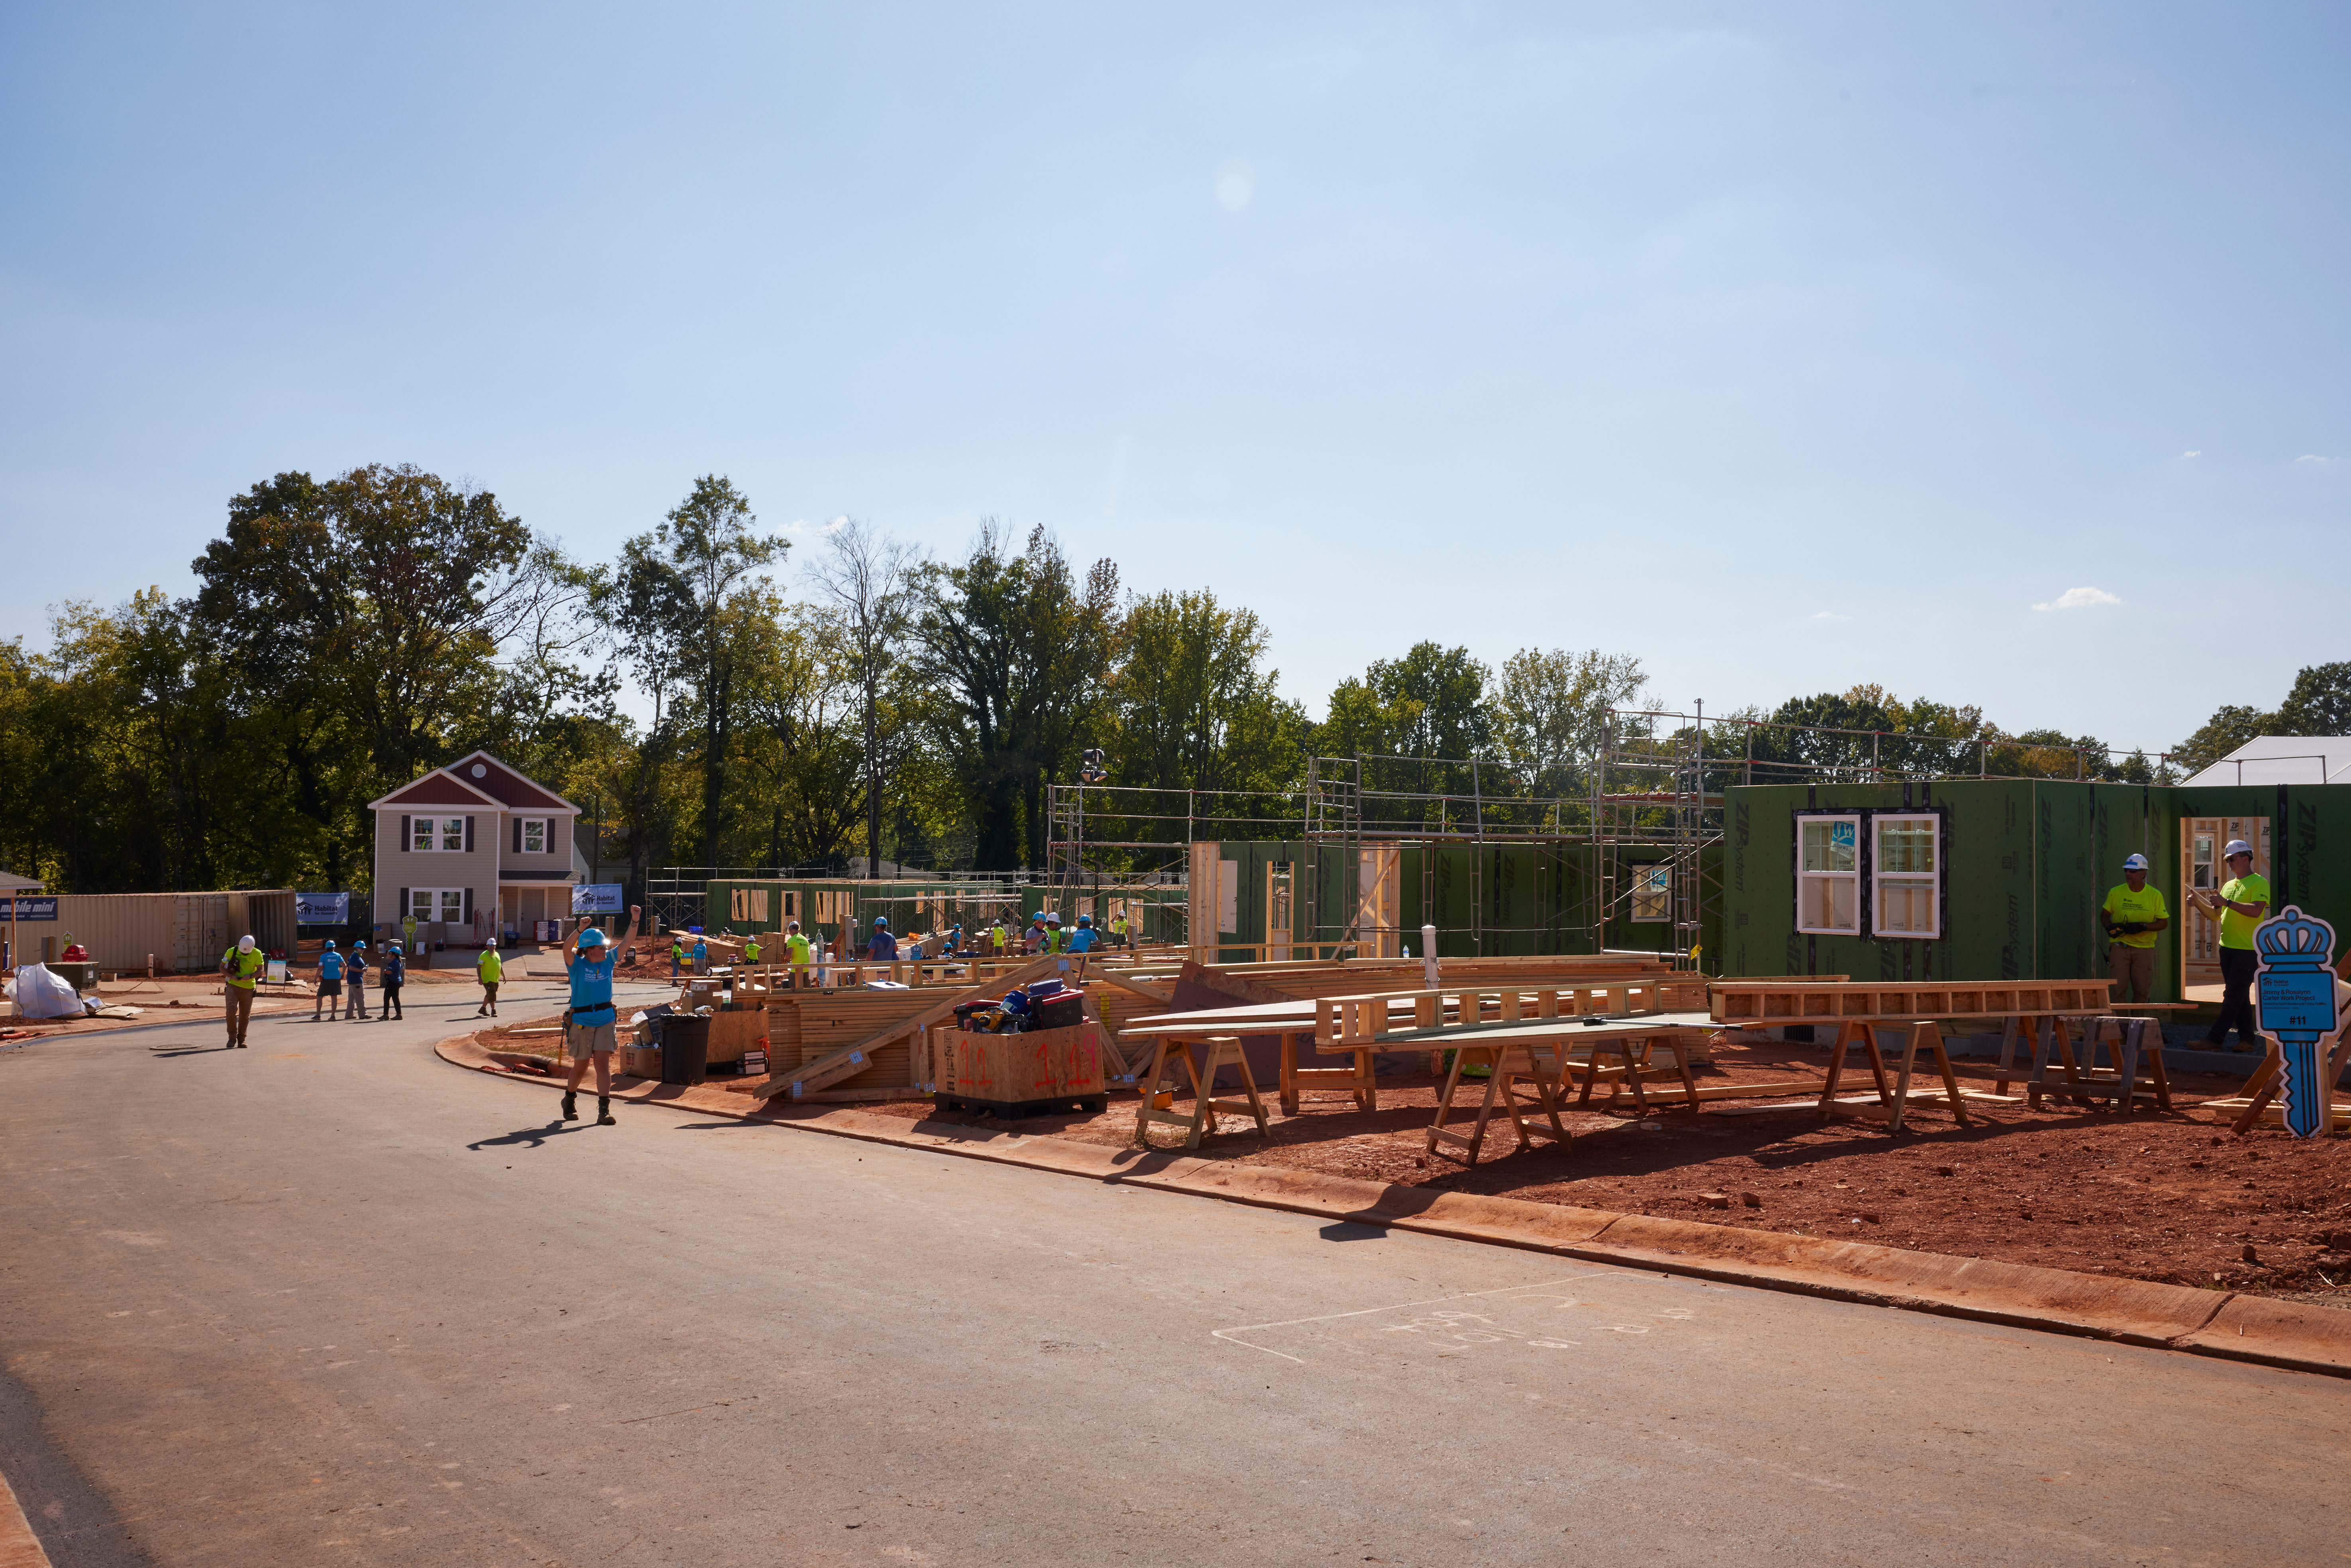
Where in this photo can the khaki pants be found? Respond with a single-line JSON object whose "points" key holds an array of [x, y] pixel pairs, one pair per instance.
{"points": [[240, 1013], [2133, 969]]}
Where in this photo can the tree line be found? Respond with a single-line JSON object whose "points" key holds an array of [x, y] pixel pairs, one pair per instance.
{"points": [[346, 635]]}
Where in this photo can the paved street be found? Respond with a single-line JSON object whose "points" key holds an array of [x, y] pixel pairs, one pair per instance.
{"points": [[333, 1300]]}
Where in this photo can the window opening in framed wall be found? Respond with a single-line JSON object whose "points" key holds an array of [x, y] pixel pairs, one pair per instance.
{"points": [[1828, 875], [1906, 876], [1653, 892]]}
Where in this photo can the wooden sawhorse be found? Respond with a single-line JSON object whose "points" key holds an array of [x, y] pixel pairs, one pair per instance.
{"points": [[1219, 1051], [1356, 1080], [1633, 1067], [2129, 1042], [1541, 1061], [1896, 1101]]}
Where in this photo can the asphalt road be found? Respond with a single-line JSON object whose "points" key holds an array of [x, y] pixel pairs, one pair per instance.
{"points": [[333, 1301]]}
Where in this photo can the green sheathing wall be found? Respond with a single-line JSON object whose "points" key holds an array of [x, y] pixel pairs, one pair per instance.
{"points": [[2027, 863], [2310, 841]]}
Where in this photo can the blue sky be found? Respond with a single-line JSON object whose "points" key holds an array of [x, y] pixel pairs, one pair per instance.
{"points": [[1786, 347]]}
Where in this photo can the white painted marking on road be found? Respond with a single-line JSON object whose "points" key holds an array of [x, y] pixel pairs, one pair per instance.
{"points": [[1231, 1335]]}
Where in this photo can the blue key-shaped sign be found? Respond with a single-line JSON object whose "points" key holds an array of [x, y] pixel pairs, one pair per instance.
{"points": [[2296, 993]]}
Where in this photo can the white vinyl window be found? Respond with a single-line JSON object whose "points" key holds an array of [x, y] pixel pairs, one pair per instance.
{"points": [[437, 833], [1906, 877], [447, 904], [1828, 875], [534, 835], [1653, 892]]}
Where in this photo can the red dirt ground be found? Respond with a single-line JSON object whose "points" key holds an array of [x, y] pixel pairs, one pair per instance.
{"points": [[2169, 1198]]}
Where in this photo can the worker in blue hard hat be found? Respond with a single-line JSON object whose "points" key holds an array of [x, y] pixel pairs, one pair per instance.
{"points": [[589, 1023], [2133, 914], [330, 983], [884, 948], [1085, 938]]}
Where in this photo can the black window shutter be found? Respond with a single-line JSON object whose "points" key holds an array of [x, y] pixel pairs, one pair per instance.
{"points": [[469, 898], [403, 834], [469, 835], [517, 822]]}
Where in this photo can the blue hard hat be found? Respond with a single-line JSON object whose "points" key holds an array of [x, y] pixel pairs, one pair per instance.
{"points": [[359, 947], [391, 947], [1085, 920], [330, 946], [591, 938], [880, 920]]}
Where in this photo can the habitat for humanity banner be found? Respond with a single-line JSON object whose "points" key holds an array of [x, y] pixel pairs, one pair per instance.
{"points": [[28, 908], [323, 908], [598, 897]]}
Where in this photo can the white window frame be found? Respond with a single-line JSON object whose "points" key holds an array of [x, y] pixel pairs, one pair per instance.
{"points": [[436, 905], [1653, 890], [546, 826], [1879, 877], [1853, 877], [436, 835]]}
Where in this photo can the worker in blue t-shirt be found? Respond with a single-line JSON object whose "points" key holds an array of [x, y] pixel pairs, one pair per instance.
{"points": [[883, 948], [1085, 938], [330, 983], [590, 1021]]}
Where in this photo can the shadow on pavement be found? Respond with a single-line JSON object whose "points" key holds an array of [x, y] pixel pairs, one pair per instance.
{"points": [[532, 1137]]}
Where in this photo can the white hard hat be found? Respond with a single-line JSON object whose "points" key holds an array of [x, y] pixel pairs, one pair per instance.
{"points": [[2236, 847], [2136, 863], [245, 944]]}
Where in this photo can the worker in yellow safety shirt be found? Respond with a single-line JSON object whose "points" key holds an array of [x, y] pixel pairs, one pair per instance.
{"points": [[242, 966], [751, 948], [676, 957], [798, 951], [996, 936], [491, 969], [1118, 929], [2133, 914], [2241, 905]]}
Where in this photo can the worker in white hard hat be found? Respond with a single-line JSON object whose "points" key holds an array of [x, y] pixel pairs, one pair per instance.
{"points": [[2241, 905], [589, 1023], [241, 971], [2133, 914]]}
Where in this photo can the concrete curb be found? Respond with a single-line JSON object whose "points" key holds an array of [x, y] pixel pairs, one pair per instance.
{"points": [[2221, 1323]]}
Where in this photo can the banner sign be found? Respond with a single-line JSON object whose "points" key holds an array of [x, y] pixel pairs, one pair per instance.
{"points": [[29, 908], [323, 909], [599, 897], [2294, 991]]}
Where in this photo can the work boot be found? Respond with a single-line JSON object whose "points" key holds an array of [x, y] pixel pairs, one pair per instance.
{"points": [[570, 1106], [604, 1110]]}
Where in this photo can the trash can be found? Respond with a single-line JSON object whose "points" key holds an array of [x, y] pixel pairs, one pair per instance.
{"points": [[684, 1049]]}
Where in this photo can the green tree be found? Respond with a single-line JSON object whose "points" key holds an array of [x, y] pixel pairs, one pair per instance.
{"points": [[1550, 707], [869, 578], [2319, 704]]}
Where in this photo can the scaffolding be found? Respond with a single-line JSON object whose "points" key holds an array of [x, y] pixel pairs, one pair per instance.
{"points": [[1626, 827]]}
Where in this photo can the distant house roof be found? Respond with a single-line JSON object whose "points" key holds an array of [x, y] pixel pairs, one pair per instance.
{"points": [[438, 788], [512, 789], [2283, 759], [478, 779], [19, 883]]}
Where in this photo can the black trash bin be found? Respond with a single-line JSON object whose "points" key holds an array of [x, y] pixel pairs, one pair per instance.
{"points": [[686, 1049]]}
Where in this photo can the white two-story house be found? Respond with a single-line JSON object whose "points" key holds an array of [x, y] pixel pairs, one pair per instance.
{"points": [[471, 850]]}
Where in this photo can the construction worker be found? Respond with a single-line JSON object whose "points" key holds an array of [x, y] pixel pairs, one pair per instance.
{"points": [[2241, 905], [489, 968], [241, 967], [395, 974], [797, 953], [676, 955], [1118, 929], [1036, 939], [356, 968], [884, 948], [2133, 914], [751, 948], [999, 938], [330, 983], [701, 957], [1085, 938], [1056, 938], [587, 1022]]}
